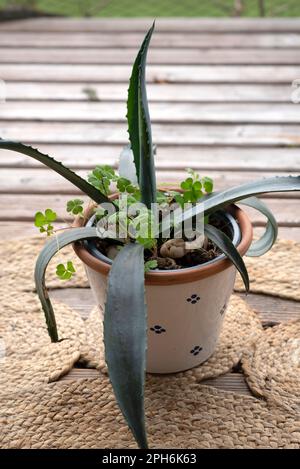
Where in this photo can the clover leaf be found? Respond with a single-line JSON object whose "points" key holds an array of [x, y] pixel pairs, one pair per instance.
{"points": [[207, 184], [101, 178], [194, 188], [75, 206], [65, 272], [44, 221]]}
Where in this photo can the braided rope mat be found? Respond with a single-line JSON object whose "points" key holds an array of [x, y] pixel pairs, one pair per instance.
{"points": [[272, 369], [181, 413], [276, 273]]}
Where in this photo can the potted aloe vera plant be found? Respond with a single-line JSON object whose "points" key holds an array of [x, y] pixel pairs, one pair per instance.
{"points": [[162, 288]]}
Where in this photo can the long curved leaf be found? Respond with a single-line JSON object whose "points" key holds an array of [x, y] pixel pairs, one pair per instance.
{"points": [[139, 125], [49, 250], [217, 200], [266, 241], [125, 336], [83, 185], [228, 248]]}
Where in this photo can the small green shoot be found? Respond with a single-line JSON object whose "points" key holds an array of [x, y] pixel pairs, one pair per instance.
{"points": [[65, 272], [148, 243], [101, 178], [44, 221], [193, 188], [150, 265]]}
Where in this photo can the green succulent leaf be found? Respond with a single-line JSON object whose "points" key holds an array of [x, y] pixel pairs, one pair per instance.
{"points": [[139, 125], [263, 244], [49, 250], [76, 180], [217, 200], [228, 248], [125, 336]]}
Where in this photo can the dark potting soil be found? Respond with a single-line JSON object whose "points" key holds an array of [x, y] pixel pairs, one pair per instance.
{"points": [[190, 259]]}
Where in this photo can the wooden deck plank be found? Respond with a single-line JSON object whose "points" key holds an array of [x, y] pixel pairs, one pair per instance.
{"points": [[284, 74], [163, 56], [184, 113], [233, 382], [95, 40], [251, 135], [23, 208], [273, 310], [155, 91], [43, 180], [175, 25], [200, 158]]}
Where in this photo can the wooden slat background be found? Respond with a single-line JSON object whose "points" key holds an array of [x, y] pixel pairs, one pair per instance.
{"points": [[220, 100]]}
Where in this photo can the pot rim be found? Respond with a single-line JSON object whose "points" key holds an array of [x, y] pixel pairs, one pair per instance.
{"points": [[236, 237], [188, 274]]}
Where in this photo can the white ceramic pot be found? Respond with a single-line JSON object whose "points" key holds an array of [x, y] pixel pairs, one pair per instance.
{"points": [[185, 307]]}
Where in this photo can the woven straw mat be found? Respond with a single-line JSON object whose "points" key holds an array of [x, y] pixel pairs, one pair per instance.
{"points": [[39, 411]]}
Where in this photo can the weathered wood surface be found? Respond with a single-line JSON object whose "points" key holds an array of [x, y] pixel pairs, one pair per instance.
{"points": [[249, 135], [169, 157], [187, 93], [166, 25], [156, 56], [220, 100], [32, 180], [191, 41], [177, 113], [155, 73], [22, 206]]}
